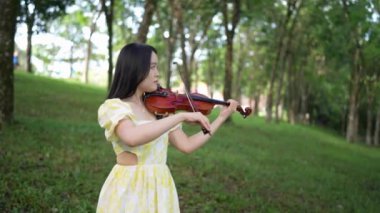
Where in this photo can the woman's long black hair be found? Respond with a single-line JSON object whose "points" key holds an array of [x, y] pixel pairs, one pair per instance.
{"points": [[132, 67]]}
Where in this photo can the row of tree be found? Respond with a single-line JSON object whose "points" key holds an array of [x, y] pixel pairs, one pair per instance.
{"points": [[312, 61]]}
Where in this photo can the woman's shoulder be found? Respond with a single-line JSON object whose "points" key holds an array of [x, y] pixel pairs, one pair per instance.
{"points": [[114, 104], [112, 101], [114, 107]]}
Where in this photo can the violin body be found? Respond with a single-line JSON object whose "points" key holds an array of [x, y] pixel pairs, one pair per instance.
{"points": [[163, 102]]}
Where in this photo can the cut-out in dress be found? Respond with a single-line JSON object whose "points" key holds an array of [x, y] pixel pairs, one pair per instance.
{"points": [[145, 187]]}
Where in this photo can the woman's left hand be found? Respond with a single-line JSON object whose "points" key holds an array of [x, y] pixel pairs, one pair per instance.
{"points": [[225, 112]]}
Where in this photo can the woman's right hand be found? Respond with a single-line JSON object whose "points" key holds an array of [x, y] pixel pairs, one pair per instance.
{"points": [[197, 117]]}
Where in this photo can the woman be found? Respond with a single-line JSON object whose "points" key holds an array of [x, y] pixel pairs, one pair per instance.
{"points": [[141, 180]]}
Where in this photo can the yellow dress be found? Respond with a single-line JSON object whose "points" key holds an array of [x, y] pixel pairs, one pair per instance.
{"points": [[145, 187]]}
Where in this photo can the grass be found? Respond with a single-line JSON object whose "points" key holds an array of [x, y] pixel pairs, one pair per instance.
{"points": [[54, 159]]}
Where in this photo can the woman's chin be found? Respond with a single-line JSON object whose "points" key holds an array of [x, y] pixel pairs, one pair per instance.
{"points": [[156, 87], [152, 89]]}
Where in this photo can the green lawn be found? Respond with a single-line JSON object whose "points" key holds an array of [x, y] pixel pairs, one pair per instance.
{"points": [[54, 159]]}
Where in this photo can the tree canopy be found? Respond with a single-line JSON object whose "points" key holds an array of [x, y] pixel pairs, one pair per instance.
{"points": [[311, 62]]}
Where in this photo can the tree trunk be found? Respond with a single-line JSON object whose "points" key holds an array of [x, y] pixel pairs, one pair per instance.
{"points": [[87, 59], [88, 54], [189, 61], [71, 61], [368, 137], [284, 56], [185, 75], [30, 24], [108, 12], [273, 75], [230, 33], [239, 72], [343, 119], [303, 109], [210, 76], [169, 53], [143, 30], [193, 71], [257, 102], [351, 133], [8, 10], [94, 20], [289, 96], [110, 54], [293, 9], [282, 70], [195, 45], [169, 41], [227, 92], [303, 93], [196, 74], [352, 125], [376, 139]]}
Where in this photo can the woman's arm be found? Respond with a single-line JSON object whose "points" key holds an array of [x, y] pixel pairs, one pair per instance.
{"points": [[135, 135], [188, 144]]}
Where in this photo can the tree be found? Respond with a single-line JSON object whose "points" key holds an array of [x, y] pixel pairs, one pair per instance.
{"points": [[215, 53], [230, 25], [36, 14], [108, 9], [192, 27], [150, 6], [93, 20], [371, 81], [124, 15], [166, 20], [72, 26], [8, 11], [47, 54], [283, 37], [356, 54]]}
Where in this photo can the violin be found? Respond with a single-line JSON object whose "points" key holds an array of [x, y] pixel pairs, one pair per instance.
{"points": [[163, 102]]}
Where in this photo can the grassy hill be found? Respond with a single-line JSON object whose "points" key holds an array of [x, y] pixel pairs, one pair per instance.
{"points": [[54, 159]]}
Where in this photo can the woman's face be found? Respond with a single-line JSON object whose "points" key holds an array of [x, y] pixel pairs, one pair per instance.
{"points": [[149, 84]]}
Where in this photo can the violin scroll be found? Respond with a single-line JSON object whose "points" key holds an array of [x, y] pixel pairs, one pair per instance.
{"points": [[244, 112]]}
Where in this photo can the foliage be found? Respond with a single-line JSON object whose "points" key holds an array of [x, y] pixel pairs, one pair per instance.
{"points": [[47, 55], [126, 21], [318, 48], [39, 12]]}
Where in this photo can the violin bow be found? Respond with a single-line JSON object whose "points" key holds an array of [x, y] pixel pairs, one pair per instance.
{"points": [[189, 98]]}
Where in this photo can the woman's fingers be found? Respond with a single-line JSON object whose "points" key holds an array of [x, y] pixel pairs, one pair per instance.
{"points": [[197, 117], [207, 124], [227, 111], [203, 120], [233, 104]]}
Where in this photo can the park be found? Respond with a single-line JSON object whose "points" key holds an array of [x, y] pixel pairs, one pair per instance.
{"points": [[307, 69]]}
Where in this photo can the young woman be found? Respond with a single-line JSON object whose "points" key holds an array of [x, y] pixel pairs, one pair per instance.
{"points": [[141, 181]]}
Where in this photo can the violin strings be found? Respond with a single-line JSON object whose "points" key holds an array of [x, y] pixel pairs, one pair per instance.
{"points": [[187, 94]]}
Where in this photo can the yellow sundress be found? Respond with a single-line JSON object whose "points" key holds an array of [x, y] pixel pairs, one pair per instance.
{"points": [[145, 187]]}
